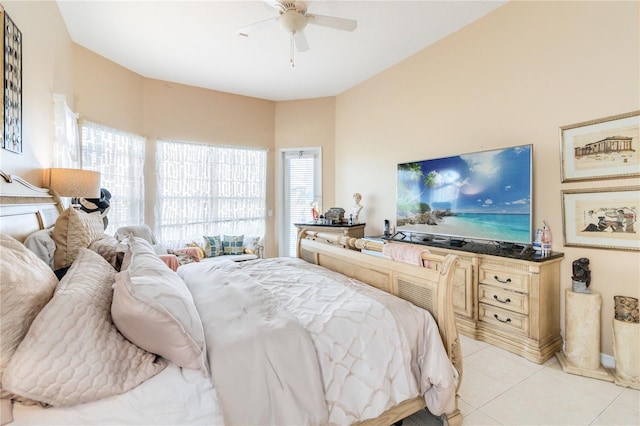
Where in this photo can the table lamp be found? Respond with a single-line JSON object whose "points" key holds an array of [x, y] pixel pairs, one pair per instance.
{"points": [[73, 183]]}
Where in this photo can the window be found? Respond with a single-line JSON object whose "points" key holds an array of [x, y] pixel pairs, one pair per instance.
{"points": [[302, 185], [66, 145], [119, 157], [208, 190]]}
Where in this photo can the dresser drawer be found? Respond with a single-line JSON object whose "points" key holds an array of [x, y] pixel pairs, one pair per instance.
{"points": [[505, 278], [503, 318], [505, 299]]}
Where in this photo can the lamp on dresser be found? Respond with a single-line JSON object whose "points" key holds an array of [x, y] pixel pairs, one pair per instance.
{"points": [[73, 183]]}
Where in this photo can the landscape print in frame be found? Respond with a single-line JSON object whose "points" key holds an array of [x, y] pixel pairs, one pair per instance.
{"points": [[602, 218], [606, 148]]}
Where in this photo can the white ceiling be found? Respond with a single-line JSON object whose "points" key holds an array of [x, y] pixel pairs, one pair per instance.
{"points": [[196, 42]]}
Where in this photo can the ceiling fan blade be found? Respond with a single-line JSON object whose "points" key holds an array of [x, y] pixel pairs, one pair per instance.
{"points": [[300, 41], [256, 26], [333, 22]]}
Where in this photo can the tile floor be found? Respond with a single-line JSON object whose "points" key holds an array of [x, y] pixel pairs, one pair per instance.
{"points": [[500, 388]]}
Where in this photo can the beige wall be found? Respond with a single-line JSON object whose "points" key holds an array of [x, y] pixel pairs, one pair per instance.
{"points": [[179, 112], [310, 123], [511, 78], [107, 93], [158, 109], [102, 91], [46, 69]]}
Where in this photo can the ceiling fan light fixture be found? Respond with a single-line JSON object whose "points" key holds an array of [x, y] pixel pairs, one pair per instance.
{"points": [[293, 18], [292, 21]]}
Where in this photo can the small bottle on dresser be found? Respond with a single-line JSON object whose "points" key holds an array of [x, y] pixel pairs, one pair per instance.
{"points": [[537, 241], [545, 239]]}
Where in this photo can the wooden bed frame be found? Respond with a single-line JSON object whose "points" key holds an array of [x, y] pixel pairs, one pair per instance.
{"points": [[25, 208], [428, 288]]}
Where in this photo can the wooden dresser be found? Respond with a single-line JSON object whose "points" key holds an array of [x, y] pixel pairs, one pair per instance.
{"points": [[508, 299]]}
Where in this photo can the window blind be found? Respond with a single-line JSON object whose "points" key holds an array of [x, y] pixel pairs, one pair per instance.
{"points": [[301, 188], [119, 157]]}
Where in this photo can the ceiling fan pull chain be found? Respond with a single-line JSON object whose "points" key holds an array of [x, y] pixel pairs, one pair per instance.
{"points": [[291, 50]]}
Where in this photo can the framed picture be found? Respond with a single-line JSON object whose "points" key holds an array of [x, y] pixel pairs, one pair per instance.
{"points": [[11, 71], [607, 148], [602, 218]]}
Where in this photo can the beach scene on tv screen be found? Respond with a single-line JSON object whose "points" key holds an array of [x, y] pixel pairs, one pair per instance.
{"points": [[484, 195]]}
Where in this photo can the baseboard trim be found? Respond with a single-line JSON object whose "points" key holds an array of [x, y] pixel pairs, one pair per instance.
{"points": [[607, 361]]}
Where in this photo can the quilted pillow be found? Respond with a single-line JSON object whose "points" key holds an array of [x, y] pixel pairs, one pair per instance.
{"points": [[73, 353], [107, 247], [213, 246], [27, 286], [75, 229], [233, 244], [154, 309]]}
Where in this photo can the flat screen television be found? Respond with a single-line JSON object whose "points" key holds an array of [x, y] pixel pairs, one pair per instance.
{"points": [[478, 196]]}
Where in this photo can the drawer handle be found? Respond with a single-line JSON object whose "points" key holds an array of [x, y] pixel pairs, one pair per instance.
{"points": [[496, 317], [502, 301], [495, 277]]}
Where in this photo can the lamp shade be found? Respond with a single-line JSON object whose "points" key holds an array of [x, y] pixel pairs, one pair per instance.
{"points": [[74, 183]]}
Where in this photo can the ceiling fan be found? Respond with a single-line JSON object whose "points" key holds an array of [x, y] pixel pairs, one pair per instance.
{"points": [[293, 18]]}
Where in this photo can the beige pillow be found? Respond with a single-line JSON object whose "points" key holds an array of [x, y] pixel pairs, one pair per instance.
{"points": [[154, 309], [75, 229], [73, 353], [27, 284], [107, 247]]}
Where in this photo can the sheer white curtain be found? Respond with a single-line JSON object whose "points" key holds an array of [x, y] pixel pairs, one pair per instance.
{"points": [[66, 145], [208, 190], [119, 157]]}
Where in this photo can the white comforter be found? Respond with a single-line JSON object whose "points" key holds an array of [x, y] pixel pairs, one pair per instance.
{"points": [[262, 361], [374, 351]]}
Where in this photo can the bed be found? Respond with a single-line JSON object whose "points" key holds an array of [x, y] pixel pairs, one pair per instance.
{"points": [[260, 336]]}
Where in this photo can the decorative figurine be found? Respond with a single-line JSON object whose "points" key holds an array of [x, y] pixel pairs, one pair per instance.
{"points": [[581, 276], [357, 207]]}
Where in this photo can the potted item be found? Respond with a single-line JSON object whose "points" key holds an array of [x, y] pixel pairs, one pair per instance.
{"points": [[626, 341]]}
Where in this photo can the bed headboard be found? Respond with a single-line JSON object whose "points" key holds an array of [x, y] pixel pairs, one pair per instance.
{"points": [[25, 208]]}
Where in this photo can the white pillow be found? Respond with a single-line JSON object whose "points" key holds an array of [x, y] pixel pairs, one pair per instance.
{"points": [[73, 353], [154, 309]]}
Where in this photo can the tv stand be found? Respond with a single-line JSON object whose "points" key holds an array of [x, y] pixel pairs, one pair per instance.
{"points": [[457, 243], [493, 248], [508, 296]]}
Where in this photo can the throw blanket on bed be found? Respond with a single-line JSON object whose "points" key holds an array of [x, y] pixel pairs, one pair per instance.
{"points": [[408, 253], [262, 361], [374, 350]]}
